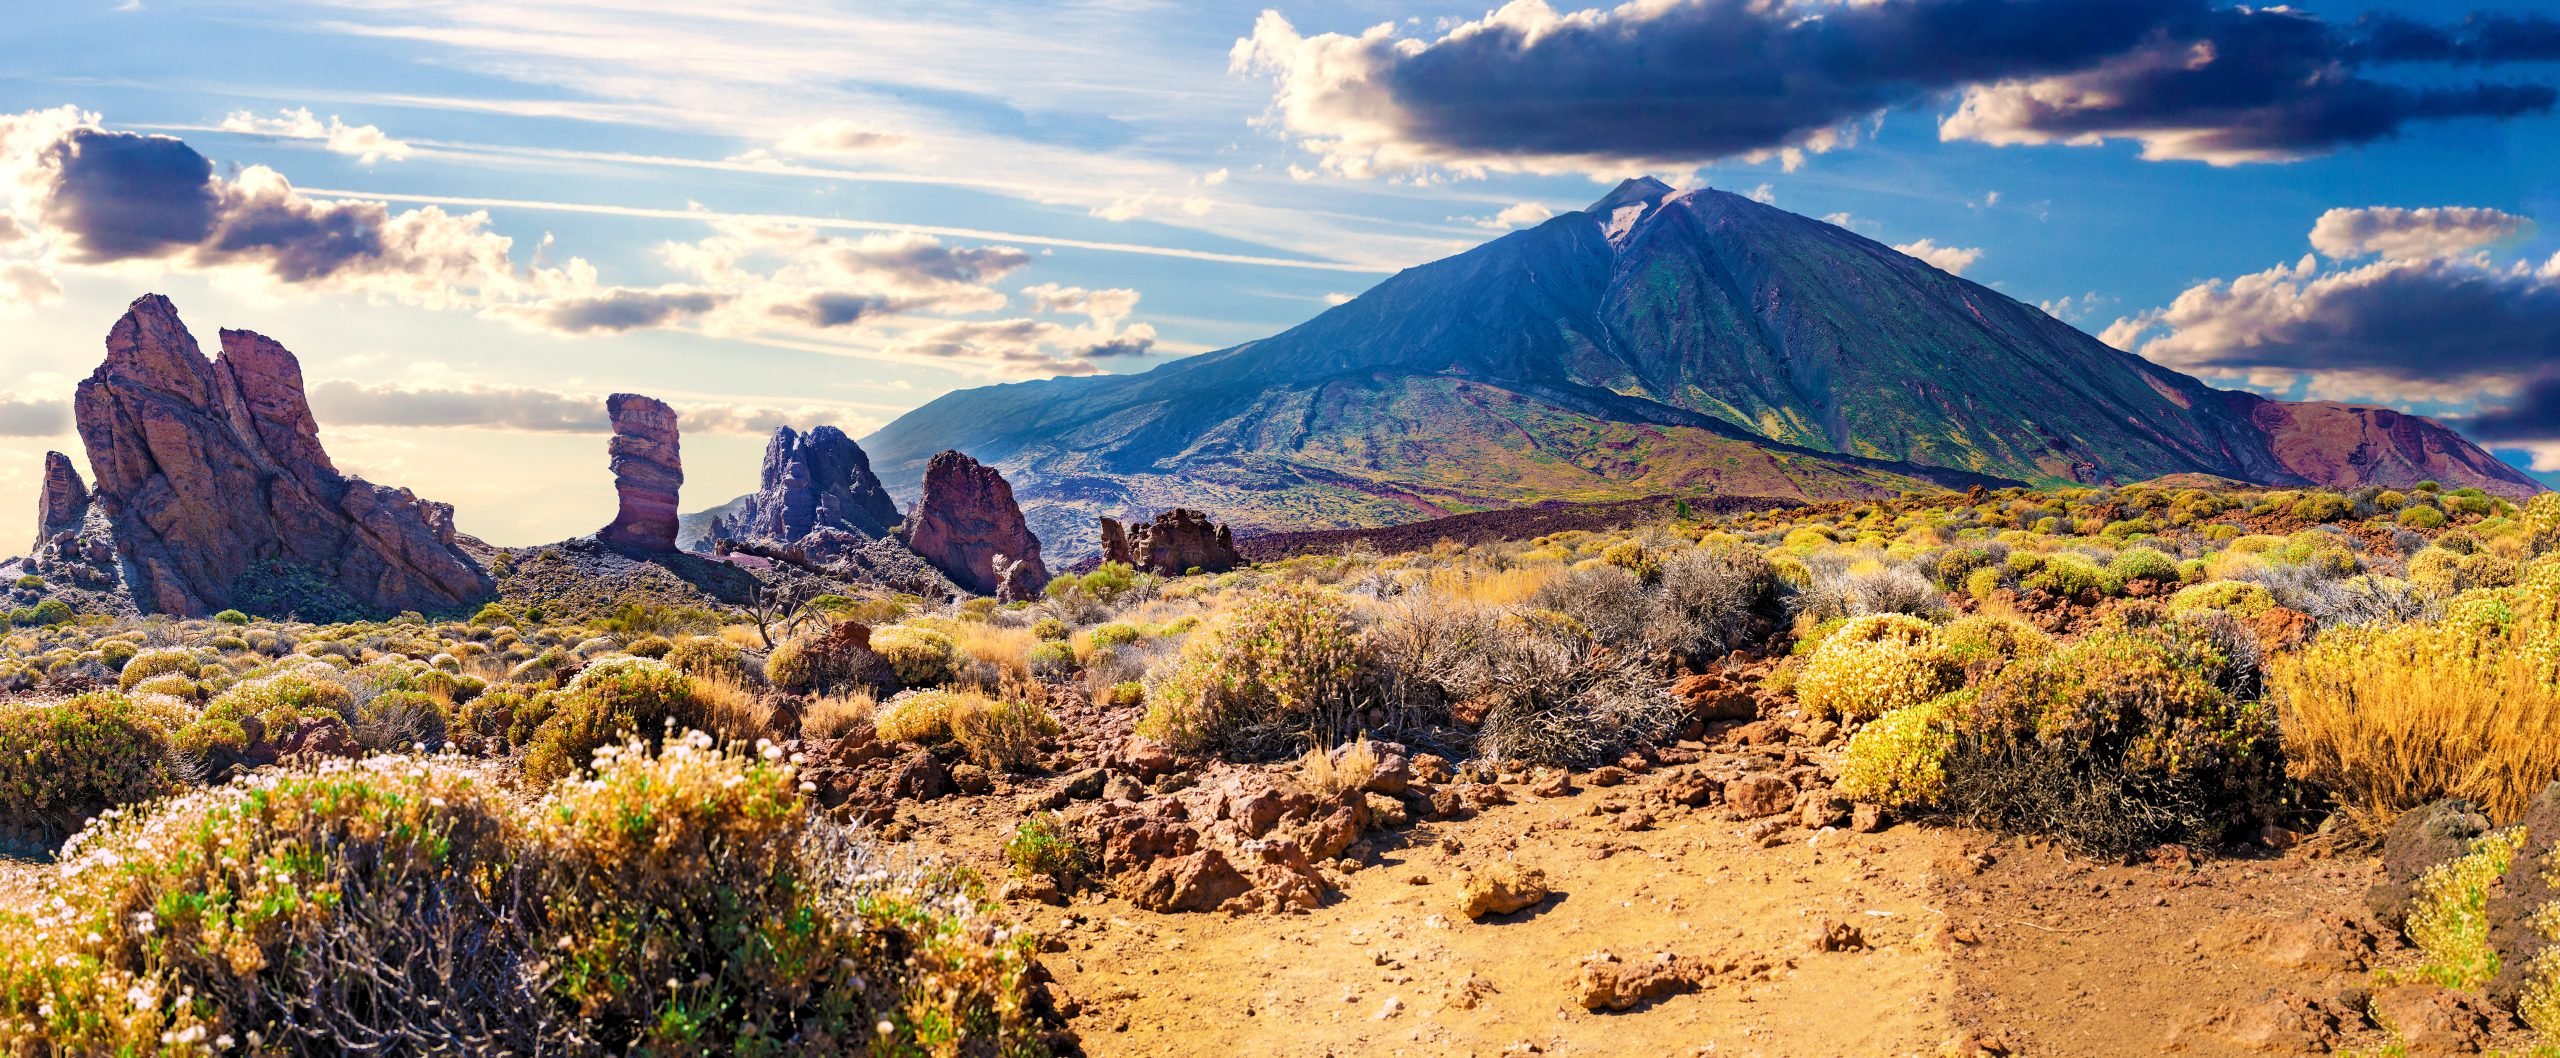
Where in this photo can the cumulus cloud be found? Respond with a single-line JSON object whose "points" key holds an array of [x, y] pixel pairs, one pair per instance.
{"points": [[34, 418], [367, 143], [1518, 215], [1950, 259], [2412, 234], [98, 197], [2422, 322], [1682, 82], [344, 403]]}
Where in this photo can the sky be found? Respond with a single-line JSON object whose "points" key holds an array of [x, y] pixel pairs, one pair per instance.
{"points": [[473, 219]]}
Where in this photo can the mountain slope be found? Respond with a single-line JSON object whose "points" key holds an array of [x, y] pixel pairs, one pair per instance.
{"points": [[1659, 340]]}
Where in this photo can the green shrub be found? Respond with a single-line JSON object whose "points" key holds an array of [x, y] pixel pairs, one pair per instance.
{"points": [[1983, 644], [494, 616], [920, 716], [2323, 507], [1278, 665], [1052, 660], [231, 617], [2068, 576], [609, 702], [1113, 634], [1899, 760], [62, 763], [650, 646], [920, 656], [835, 659], [1874, 665], [400, 719], [1044, 846], [2449, 917], [2141, 563], [1001, 734], [1050, 629], [2422, 516], [2239, 598]]}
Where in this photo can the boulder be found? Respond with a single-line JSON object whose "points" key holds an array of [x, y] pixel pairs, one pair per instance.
{"points": [[2527, 891], [812, 481], [2421, 838], [220, 495], [64, 500], [1175, 542], [1763, 794], [1500, 889], [966, 524], [648, 469]]}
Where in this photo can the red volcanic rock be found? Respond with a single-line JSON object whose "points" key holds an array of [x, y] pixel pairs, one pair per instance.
{"points": [[812, 481], [211, 470], [647, 471], [968, 526], [1177, 540], [63, 503]]}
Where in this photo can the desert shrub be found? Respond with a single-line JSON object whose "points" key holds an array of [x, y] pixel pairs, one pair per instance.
{"points": [[2239, 598], [116, 653], [1982, 644], [1706, 599], [838, 658], [2421, 517], [1044, 845], [231, 617], [921, 657], [491, 719], [400, 719], [1339, 772], [650, 646], [2130, 737], [1607, 599], [707, 657], [149, 663], [1114, 634], [62, 763], [1002, 734], [2389, 718], [1981, 584], [1957, 565], [1280, 668], [1556, 696], [1052, 660], [494, 615], [2449, 917], [836, 716], [1050, 630], [2540, 523], [2140, 563], [921, 716], [2318, 507], [609, 702], [1868, 587], [1873, 665], [2068, 576], [168, 683], [1899, 759]]}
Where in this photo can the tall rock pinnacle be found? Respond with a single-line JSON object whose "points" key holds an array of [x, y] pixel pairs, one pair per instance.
{"points": [[64, 500], [967, 525], [648, 469], [812, 481]]}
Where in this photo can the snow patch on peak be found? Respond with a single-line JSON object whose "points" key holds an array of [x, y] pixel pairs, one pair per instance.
{"points": [[1623, 220]]}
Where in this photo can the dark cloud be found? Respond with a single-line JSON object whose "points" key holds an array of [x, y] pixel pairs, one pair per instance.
{"points": [[2532, 416], [2424, 320], [1133, 343], [1686, 83], [836, 309], [34, 418], [121, 196], [299, 240], [615, 311]]}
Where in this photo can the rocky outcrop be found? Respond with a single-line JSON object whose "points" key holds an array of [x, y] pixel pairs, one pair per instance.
{"points": [[2350, 446], [220, 496], [648, 469], [812, 481], [1175, 542], [64, 500], [968, 526]]}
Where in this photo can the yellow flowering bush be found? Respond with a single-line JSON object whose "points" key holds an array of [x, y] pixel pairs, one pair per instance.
{"points": [[2449, 919], [1875, 664], [1899, 759], [923, 716], [922, 657], [61, 763]]}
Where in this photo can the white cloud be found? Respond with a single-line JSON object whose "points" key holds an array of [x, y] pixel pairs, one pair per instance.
{"points": [[1950, 259], [367, 143], [1763, 194], [1516, 215], [2413, 234], [836, 137], [1127, 207]]}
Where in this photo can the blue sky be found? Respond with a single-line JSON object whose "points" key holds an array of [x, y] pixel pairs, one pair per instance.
{"points": [[806, 211]]}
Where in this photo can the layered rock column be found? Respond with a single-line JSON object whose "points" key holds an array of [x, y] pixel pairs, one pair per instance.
{"points": [[968, 526], [648, 469]]}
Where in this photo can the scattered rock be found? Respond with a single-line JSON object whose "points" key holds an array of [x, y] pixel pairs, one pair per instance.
{"points": [[1761, 794], [1500, 889], [1604, 983], [1146, 758], [1834, 935], [1819, 809], [2432, 1020], [968, 526], [2419, 839], [1085, 784], [1175, 542], [1200, 881], [1868, 817], [1714, 696], [971, 779]]}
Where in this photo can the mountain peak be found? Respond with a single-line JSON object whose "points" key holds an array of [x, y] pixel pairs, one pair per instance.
{"points": [[1636, 190]]}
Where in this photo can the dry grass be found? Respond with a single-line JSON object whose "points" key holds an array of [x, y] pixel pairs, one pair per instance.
{"points": [[1008, 649], [743, 637], [837, 715], [1505, 587], [733, 709], [2391, 720], [1335, 777]]}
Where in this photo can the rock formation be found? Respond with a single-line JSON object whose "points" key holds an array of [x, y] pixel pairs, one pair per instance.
{"points": [[648, 468], [220, 495], [1177, 541], [968, 526], [63, 502], [812, 481]]}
